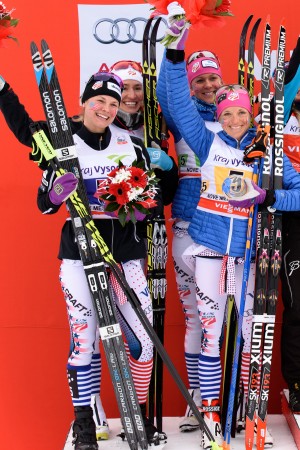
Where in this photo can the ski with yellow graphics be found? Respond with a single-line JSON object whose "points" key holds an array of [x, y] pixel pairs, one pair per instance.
{"points": [[157, 244], [61, 154]]}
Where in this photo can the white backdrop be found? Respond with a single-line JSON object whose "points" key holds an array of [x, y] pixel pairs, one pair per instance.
{"points": [[93, 52]]}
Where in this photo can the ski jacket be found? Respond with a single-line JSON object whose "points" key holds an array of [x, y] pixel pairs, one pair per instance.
{"points": [[125, 243], [188, 191], [215, 224]]}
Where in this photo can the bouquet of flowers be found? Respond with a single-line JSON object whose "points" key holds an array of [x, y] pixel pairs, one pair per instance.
{"points": [[198, 12], [128, 192], [7, 23]]}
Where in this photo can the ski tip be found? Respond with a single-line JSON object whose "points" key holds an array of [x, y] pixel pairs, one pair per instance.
{"points": [[33, 45], [256, 25]]}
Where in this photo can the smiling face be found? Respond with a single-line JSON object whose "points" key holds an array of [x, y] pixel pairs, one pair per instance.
{"points": [[204, 87], [235, 121], [132, 96], [99, 112]]}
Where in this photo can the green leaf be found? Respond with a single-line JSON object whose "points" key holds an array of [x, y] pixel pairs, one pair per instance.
{"points": [[110, 207], [122, 217], [141, 209], [14, 22]]}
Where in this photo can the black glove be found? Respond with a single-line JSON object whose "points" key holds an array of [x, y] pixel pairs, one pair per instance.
{"points": [[257, 148]]}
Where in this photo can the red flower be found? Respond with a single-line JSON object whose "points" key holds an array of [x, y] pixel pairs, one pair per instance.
{"points": [[160, 6], [138, 177], [120, 191], [7, 23], [198, 12]]}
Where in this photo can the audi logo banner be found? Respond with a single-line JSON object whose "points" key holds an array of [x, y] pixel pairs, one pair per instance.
{"points": [[109, 33]]}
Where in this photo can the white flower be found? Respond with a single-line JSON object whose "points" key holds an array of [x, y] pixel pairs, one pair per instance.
{"points": [[134, 193], [121, 175]]}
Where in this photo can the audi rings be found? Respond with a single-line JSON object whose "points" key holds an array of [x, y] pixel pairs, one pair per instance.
{"points": [[122, 30]]}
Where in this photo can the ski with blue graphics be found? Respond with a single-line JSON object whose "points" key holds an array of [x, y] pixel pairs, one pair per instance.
{"points": [[156, 228], [61, 154]]}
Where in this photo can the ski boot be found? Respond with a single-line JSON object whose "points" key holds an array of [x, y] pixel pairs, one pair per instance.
{"points": [[211, 411], [84, 429], [153, 436], [294, 397], [102, 429], [189, 422]]}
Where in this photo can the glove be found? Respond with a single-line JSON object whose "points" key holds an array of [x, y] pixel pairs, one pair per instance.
{"points": [[258, 146], [253, 195], [63, 187], [159, 159], [177, 32]]}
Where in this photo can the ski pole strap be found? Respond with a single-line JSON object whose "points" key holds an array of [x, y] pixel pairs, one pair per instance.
{"points": [[258, 146]]}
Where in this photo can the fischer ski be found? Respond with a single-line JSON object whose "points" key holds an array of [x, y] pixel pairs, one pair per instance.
{"points": [[99, 244], [250, 66], [242, 51], [157, 243], [62, 157]]}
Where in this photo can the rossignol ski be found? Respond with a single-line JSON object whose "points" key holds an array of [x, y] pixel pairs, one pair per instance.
{"points": [[275, 233], [262, 253], [84, 218], [156, 228], [62, 157]]}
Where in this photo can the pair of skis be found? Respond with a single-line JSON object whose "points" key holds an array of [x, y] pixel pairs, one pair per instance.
{"points": [[268, 254], [157, 242], [95, 256]]}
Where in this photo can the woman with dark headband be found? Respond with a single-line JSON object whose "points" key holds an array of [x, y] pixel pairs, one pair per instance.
{"points": [[204, 77], [96, 141], [218, 227]]}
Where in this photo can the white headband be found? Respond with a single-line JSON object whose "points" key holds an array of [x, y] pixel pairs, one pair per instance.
{"points": [[129, 74]]}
